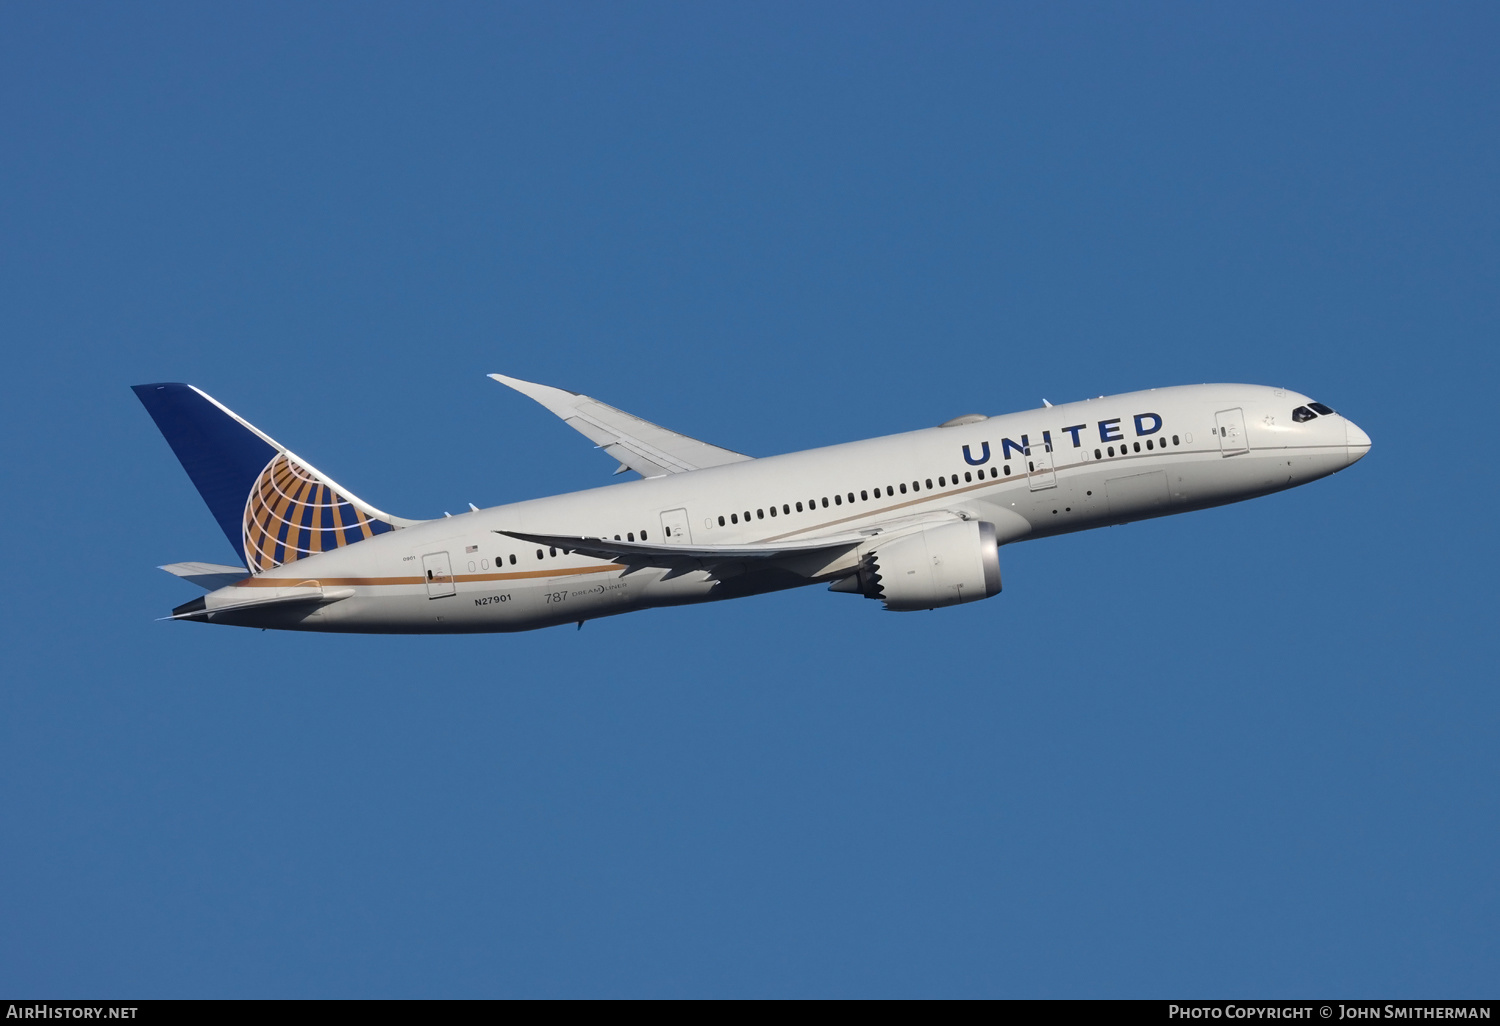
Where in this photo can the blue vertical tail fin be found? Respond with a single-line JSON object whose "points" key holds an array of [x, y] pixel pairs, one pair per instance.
{"points": [[273, 506]]}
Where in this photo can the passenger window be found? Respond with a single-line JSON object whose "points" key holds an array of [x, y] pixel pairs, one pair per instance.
{"points": [[539, 554], [863, 495], [788, 510], [1111, 450], [747, 516], [643, 536], [838, 500], [994, 472], [1148, 443], [1007, 470], [734, 518], [1175, 441], [1320, 408], [929, 484], [968, 476], [721, 521], [851, 497], [942, 483], [1098, 455], [799, 507], [552, 553], [903, 487], [1302, 413], [629, 536], [512, 559], [1137, 446], [773, 511], [825, 502], [760, 514]]}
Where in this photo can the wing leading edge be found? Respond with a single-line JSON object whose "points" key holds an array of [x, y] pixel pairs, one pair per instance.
{"points": [[827, 557], [646, 448], [810, 558]]}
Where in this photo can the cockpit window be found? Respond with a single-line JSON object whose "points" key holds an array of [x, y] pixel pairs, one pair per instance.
{"points": [[1320, 408], [1302, 413]]}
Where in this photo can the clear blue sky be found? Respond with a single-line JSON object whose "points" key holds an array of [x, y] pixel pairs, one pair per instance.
{"points": [[1243, 752]]}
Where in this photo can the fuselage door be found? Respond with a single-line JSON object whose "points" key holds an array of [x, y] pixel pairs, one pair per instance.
{"points": [[1039, 467], [439, 574], [1232, 437], [674, 527]]}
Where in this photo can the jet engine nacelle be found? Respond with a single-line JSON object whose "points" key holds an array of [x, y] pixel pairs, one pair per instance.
{"points": [[938, 566]]}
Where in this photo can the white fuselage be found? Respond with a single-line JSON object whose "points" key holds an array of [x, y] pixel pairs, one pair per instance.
{"points": [[1208, 445]]}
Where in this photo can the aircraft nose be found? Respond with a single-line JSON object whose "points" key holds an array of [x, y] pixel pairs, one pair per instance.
{"points": [[1356, 441]]}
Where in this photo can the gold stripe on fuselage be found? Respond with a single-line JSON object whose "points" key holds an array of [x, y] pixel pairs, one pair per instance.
{"points": [[376, 582]]}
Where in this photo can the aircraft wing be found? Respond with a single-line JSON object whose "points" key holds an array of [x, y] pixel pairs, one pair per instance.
{"points": [[807, 556], [822, 557], [648, 449]]}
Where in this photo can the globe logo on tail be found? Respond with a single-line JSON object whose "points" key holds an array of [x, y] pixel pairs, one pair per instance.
{"points": [[291, 513]]}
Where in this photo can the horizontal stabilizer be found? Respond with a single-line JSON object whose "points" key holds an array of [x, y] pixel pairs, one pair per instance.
{"points": [[208, 576], [294, 598], [646, 448], [683, 558]]}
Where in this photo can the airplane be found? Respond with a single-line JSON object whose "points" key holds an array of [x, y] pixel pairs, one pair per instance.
{"points": [[913, 520]]}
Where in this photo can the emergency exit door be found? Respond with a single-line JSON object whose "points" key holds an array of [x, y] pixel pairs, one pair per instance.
{"points": [[1039, 470], [439, 574], [674, 527], [1232, 437]]}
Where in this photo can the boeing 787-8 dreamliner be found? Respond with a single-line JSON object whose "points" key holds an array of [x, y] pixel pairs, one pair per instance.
{"points": [[913, 520]]}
